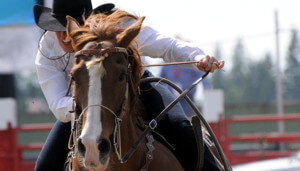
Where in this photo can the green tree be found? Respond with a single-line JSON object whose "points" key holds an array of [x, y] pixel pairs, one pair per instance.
{"points": [[236, 78], [260, 81], [27, 88], [292, 71]]}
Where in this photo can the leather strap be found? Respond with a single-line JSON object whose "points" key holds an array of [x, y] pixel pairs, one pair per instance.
{"points": [[102, 52], [200, 143], [149, 154], [153, 123]]}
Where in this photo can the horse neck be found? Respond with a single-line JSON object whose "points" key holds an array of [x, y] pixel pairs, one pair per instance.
{"points": [[129, 135], [129, 132]]}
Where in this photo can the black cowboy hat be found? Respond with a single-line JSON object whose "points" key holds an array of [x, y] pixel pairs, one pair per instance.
{"points": [[55, 19], [106, 8]]}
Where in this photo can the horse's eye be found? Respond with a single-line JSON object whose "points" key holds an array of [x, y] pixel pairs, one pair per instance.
{"points": [[121, 76]]}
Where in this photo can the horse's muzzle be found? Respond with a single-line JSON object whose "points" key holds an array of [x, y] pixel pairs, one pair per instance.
{"points": [[95, 154]]}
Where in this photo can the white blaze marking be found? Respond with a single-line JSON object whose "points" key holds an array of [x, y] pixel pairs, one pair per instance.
{"points": [[93, 127]]}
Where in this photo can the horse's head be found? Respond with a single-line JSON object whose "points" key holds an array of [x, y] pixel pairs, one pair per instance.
{"points": [[106, 73]]}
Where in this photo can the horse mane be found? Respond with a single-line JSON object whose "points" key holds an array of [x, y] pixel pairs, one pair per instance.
{"points": [[99, 27]]}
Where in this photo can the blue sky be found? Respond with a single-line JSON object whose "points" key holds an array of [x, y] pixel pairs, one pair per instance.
{"points": [[16, 12]]}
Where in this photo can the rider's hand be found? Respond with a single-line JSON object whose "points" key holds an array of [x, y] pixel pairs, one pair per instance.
{"points": [[209, 63]]}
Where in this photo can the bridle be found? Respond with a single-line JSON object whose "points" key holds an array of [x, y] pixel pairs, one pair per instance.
{"points": [[76, 128], [104, 53], [101, 55], [77, 125]]}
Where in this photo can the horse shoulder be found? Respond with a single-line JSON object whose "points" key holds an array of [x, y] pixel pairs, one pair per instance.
{"points": [[164, 159]]}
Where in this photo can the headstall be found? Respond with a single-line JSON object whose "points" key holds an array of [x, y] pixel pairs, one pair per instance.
{"points": [[76, 128]]}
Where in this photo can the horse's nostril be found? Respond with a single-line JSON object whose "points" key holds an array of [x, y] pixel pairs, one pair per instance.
{"points": [[81, 147], [104, 147]]}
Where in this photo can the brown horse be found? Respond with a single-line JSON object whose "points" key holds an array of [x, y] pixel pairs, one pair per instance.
{"points": [[106, 71]]}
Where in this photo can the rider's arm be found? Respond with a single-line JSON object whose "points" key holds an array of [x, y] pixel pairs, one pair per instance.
{"points": [[52, 78], [155, 45]]}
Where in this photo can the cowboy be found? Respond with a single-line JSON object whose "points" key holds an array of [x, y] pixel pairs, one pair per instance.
{"points": [[55, 59]]}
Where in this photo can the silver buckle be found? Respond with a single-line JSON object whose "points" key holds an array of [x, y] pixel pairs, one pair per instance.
{"points": [[152, 124]]}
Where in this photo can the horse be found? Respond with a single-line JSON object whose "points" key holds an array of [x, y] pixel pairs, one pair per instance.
{"points": [[106, 74]]}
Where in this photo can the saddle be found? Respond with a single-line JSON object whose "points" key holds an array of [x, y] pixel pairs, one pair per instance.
{"points": [[153, 101], [202, 137]]}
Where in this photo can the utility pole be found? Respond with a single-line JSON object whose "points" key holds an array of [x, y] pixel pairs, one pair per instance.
{"points": [[278, 80]]}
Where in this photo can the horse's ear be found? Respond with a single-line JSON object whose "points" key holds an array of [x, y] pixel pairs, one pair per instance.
{"points": [[71, 25], [125, 38]]}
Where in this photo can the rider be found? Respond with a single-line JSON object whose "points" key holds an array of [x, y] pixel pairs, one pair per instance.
{"points": [[54, 61]]}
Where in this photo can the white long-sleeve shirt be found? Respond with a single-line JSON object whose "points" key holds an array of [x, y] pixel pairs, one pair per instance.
{"points": [[53, 73]]}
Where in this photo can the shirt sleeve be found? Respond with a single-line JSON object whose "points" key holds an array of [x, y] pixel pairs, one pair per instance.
{"points": [[155, 45], [53, 82]]}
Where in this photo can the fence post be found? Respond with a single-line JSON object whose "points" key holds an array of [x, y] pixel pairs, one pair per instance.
{"points": [[226, 138], [14, 146]]}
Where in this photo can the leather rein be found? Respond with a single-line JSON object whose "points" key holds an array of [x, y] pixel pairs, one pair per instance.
{"points": [[102, 54]]}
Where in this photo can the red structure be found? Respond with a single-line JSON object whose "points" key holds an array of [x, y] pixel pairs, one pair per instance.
{"points": [[11, 153], [225, 139]]}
